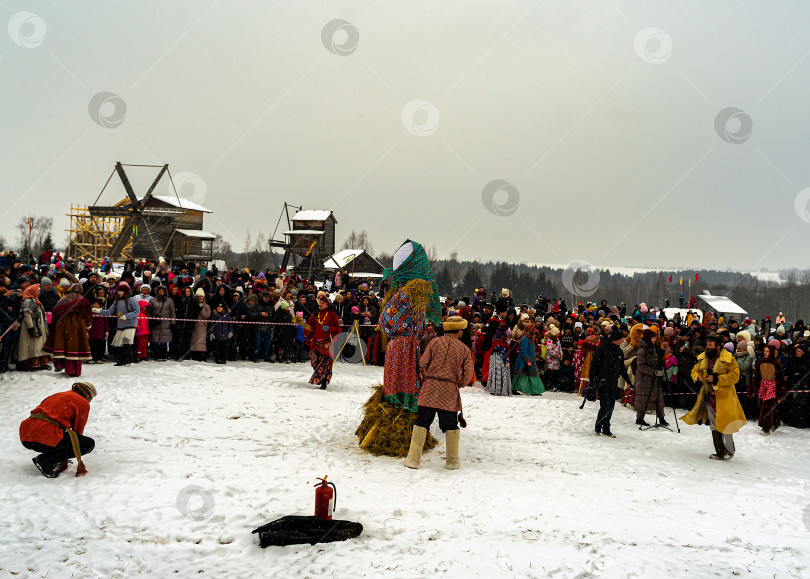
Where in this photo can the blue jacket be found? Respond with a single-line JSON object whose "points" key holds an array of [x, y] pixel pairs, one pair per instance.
{"points": [[130, 309], [526, 354], [299, 334]]}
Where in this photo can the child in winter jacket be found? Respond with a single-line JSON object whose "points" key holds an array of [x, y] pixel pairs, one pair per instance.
{"points": [[97, 335], [142, 333], [220, 330], [300, 339], [670, 367]]}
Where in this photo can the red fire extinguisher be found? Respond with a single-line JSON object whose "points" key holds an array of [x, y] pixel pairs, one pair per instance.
{"points": [[325, 499]]}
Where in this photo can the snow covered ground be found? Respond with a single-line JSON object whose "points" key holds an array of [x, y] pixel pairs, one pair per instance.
{"points": [[191, 457]]}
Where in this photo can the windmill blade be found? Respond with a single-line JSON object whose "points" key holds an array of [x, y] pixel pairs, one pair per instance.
{"points": [[123, 236], [127, 186], [156, 251], [154, 184]]}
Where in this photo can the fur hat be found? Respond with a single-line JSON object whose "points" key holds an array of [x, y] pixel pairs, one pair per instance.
{"points": [[648, 335], [85, 389], [504, 293], [454, 323]]}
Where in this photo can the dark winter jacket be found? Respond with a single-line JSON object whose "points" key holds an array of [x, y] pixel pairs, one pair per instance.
{"points": [[254, 313], [220, 326], [218, 298], [608, 364]]}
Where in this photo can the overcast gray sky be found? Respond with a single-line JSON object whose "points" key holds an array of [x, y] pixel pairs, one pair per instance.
{"points": [[527, 131]]}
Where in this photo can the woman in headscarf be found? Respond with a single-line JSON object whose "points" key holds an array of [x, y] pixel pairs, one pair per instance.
{"points": [[68, 340], [527, 377], [322, 327], [33, 333]]}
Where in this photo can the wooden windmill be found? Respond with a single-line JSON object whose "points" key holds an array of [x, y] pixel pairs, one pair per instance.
{"points": [[149, 226]]}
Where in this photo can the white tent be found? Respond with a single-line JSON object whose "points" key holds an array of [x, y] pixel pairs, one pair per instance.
{"points": [[722, 304]]}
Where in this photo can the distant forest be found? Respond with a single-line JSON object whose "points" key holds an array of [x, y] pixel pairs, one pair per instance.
{"points": [[460, 278]]}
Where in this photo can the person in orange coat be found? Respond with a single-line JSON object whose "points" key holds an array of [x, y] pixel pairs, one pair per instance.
{"points": [[323, 326], [51, 426]]}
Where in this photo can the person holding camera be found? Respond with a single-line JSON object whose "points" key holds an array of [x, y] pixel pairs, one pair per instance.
{"points": [[649, 395], [607, 366]]}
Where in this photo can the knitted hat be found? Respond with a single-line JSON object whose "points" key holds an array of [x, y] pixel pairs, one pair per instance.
{"points": [[504, 293], [780, 330], [554, 330], [742, 345], [124, 286], [454, 323], [669, 331], [45, 281], [648, 335], [615, 335], [775, 343], [729, 346], [64, 282], [283, 305], [85, 389], [355, 310], [200, 292], [299, 314]]}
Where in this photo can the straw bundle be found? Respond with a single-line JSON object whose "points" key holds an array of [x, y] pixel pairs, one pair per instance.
{"points": [[387, 430]]}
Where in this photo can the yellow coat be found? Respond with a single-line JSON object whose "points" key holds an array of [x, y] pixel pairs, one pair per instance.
{"points": [[730, 416]]}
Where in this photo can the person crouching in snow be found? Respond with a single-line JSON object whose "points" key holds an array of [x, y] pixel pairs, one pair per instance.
{"points": [[55, 429], [220, 331], [126, 309], [447, 365], [770, 385]]}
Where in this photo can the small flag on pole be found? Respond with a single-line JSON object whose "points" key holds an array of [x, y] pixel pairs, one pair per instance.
{"points": [[690, 283], [670, 278], [681, 280], [696, 277], [30, 224], [310, 248]]}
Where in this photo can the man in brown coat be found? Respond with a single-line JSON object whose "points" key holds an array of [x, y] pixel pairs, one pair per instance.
{"points": [[448, 366]]}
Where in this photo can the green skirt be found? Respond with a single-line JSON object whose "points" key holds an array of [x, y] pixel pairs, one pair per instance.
{"points": [[528, 384]]}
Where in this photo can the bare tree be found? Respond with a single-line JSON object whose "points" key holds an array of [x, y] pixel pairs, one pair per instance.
{"points": [[358, 241], [3, 243], [38, 234]]}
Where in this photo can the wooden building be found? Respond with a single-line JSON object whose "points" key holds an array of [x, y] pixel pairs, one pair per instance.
{"points": [[312, 240], [357, 262]]}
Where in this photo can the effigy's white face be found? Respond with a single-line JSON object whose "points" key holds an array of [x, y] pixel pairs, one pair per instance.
{"points": [[402, 254]]}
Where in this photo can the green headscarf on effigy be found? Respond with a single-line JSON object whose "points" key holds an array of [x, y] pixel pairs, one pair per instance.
{"points": [[416, 266]]}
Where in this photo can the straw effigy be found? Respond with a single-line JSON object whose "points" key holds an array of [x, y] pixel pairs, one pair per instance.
{"points": [[386, 429]]}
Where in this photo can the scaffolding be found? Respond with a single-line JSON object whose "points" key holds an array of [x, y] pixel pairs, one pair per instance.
{"points": [[91, 238]]}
